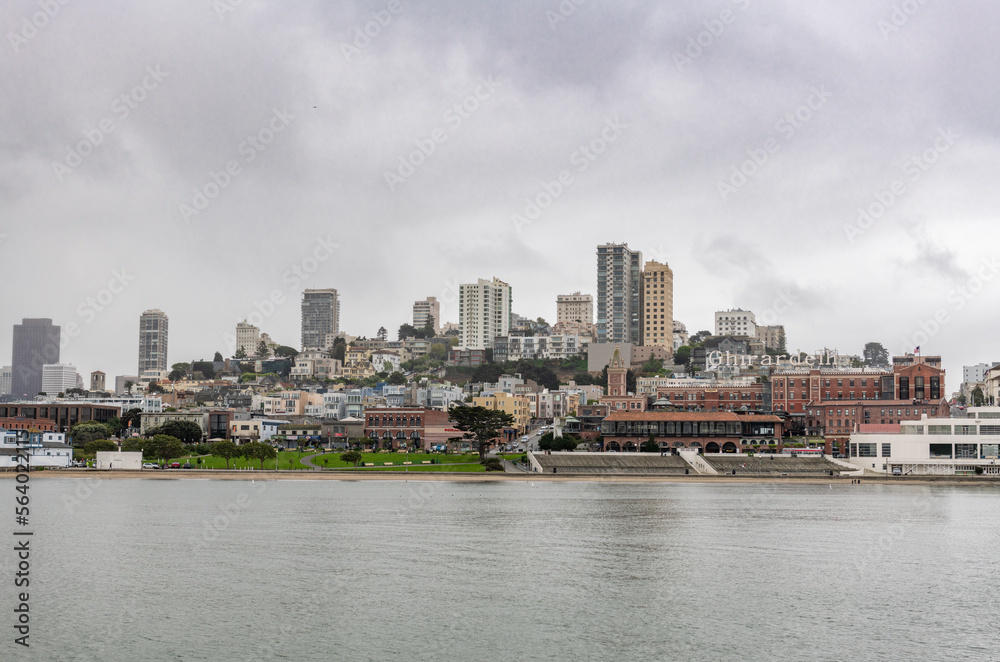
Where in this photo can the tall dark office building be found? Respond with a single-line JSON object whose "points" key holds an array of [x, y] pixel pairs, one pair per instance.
{"points": [[36, 343]]}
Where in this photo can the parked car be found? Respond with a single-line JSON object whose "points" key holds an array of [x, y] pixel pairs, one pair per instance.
{"points": [[150, 465], [175, 465], [187, 465]]}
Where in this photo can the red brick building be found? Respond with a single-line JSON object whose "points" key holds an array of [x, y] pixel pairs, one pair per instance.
{"points": [[27, 424], [408, 427], [710, 432], [718, 397], [62, 415]]}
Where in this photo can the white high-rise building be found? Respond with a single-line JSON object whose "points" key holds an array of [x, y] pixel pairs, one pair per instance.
{"points": [[6, 379], [483, 312], [247, 338], [59, 377], [429, 307], [735, 322], [153, 325]]}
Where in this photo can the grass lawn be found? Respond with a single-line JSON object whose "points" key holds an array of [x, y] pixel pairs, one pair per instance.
{"points": [[292, 460], [332, 460]]}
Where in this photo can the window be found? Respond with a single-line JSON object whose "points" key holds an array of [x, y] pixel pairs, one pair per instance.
{"points": [[886, 450], [965, 450], [940, 450], [867, 450]]}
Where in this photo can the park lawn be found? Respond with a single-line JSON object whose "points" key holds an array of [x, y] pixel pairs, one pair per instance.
{"points": [[286, 460], [333, 460]]}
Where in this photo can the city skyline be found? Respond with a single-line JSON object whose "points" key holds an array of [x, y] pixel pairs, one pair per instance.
{"points": [[792, 176]]}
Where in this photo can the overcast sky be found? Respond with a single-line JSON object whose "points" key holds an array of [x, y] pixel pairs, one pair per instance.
{"points": [[735, 140]]}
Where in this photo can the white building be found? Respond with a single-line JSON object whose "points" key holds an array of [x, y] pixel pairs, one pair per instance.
{"points": [[976, 373], [118, 460], [735, 322], [680, 335], [574, 308], [6, 377], [58, 378], [382, 357], [933, 446], [247, 338], [484, 311], [313, 364], [45, 449]]}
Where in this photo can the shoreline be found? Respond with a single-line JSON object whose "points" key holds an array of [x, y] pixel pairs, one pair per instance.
{"points": [[462, 477]]}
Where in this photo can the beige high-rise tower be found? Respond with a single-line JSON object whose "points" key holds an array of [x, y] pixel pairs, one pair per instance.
{"points": [[658, 306]]}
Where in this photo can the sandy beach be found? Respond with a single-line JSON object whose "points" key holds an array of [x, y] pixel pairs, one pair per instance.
{"points": [[460, 477]]}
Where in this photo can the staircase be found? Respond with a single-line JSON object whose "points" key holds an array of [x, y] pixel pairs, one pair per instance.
{"points": [[696, 461]]}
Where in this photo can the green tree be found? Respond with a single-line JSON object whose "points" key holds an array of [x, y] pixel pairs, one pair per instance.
{"points": [[650, 446], [225, 449], [258, 450], [114, 426], [351, 457], [188, 432], [339, 349], [129, 385], [262, 351], [88, 431], [406, 331], [154, 388], [206, 368], [699, 338], [782, 341], [218, 357], [875, 355], [92, 447], [480, 425], [977, 397], [683, 355], [241, 353], [285, 351], [178, 371], [163, 447], [397, 378], [438, 352], [962, 399], [382, 334]]}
